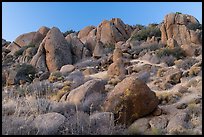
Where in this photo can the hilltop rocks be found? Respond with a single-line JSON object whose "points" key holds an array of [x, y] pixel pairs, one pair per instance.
{"points": [[108, 32], [130, 100], [113, 31], [182, 28], [43, 30], [53, 52]]}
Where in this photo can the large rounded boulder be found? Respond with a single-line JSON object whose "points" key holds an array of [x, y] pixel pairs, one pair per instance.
{"points": [[130, 100], [53, 53]]}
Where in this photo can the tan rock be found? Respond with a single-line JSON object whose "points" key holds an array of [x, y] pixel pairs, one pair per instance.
{"points": [[117, 53], [98, 50], [117, 69], [129, 100], [176, 26], [53, 52], [43, 30]]}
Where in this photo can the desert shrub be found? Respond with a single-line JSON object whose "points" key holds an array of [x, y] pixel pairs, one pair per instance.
{"points": [[22, 49], [40, 106], [186, 63], [138, 26], [55, 76], [39, 88], [68, 32], [169, 60], [177, 52], [146, 32], [25, 71], [148, 47]]}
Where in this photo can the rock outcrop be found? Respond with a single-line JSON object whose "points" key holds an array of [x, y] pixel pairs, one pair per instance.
{"points": [[181, 28], [108, 32], [53, 52]]}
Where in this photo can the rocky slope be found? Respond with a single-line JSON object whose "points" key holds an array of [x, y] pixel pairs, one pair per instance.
{"points": [[110, 79]]}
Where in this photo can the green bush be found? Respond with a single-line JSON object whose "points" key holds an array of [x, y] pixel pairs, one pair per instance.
{"points": [[22, 49], [177, 52], [146, 32], [68, 32], [26, 70], [178, 13], [139, 26]]}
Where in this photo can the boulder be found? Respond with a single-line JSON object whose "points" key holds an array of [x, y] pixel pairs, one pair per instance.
{"points": [[98, 50], [87, 95], [76, 78], [129, 100], [139, 127], [117, 69], [34, 38], [48, 124], [117, 53], [53, 52], [84, 33], [66, 69], [43, 30], [90, 71]]}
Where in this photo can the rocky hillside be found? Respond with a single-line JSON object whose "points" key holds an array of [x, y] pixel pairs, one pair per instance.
{"points": [[113, 78]]}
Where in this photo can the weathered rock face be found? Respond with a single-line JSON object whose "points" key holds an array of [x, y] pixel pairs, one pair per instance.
{"points": [[77, 47], [53, 52], [130, 100], [84, 33], [180, 28], [113, 31], [98, 50]]}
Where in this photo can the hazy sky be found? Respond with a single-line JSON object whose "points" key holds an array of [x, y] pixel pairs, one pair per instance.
{"points": [[23, 17]]}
